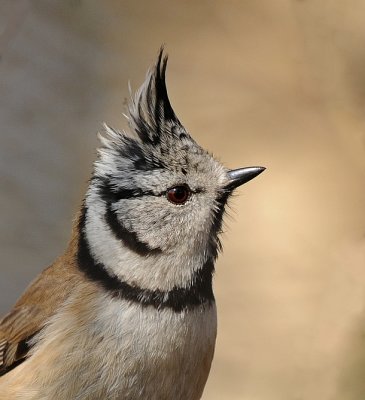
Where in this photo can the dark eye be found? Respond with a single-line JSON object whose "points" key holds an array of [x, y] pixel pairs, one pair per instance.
{"points": [[178, 194]]}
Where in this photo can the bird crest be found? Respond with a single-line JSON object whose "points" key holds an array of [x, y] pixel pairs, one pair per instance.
{"points": [[150, 112]]}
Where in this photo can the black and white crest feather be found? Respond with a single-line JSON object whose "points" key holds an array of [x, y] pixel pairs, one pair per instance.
{"points": [[151, 113]]}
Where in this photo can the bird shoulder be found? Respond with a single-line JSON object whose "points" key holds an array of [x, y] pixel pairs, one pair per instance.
{"points": [[40, 301]]}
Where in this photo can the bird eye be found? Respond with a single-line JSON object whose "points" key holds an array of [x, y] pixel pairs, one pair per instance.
{"points": [[178, 194]]}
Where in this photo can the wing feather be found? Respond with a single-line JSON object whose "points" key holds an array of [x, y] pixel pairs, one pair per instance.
{"points": [[40, 301]]}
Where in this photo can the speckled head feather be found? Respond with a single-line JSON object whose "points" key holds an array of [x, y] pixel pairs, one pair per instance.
{"points": [[158, 140]]}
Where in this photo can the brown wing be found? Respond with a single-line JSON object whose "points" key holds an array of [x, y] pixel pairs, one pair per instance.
{"points": [[16, 329], [40, 301]]}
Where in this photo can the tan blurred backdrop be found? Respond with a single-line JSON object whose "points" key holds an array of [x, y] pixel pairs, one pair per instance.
{"points": [[277, 83]]}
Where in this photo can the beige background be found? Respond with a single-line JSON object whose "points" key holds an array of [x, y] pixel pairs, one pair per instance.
{"points": [[277, 83]]}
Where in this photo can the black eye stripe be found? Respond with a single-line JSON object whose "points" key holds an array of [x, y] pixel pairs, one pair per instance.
{"points": [[112, 195], [123, 193]]}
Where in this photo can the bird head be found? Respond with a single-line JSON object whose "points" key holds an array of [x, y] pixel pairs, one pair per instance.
{"points": [[156, 199]]}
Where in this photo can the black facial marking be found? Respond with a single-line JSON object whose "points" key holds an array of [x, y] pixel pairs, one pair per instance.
{"points": [[111, 195], [129, 238], [124, 193], [177, 299]]}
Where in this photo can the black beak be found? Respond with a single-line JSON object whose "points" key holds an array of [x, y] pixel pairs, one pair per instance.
{"points": [[238, 177]]}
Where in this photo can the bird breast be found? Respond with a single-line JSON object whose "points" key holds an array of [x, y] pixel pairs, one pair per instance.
{"points": [[98, 347]]}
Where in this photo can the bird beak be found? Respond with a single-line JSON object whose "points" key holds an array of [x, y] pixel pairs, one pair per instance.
{"points": [[237, 177]]}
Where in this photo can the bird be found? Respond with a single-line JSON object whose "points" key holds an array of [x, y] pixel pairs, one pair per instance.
{"points": [[128, 311]]}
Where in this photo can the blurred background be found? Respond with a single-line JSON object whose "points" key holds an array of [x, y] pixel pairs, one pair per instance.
{"points": [[273, 83]]}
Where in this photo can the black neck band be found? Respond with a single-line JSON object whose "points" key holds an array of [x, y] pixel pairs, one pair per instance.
{"points": [[177, 299]]}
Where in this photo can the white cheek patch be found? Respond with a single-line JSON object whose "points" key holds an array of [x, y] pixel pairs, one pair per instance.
{"points": [[163, 271]]}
